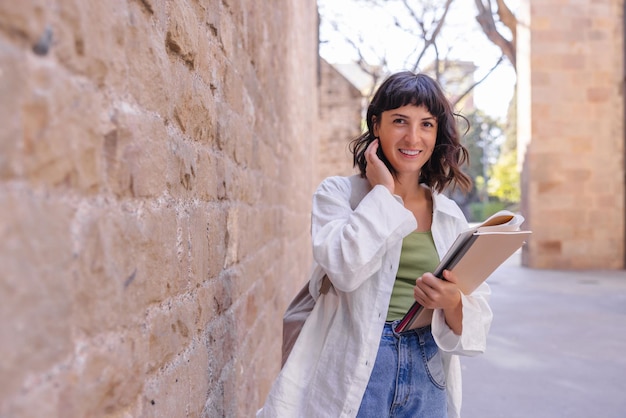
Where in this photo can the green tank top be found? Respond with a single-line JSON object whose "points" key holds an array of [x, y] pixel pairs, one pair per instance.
{"points": [[418, 256]]}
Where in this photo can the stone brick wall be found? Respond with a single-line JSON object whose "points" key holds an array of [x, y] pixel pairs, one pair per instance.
{"points": [[571, 132], [341, 106], [155, 184]]}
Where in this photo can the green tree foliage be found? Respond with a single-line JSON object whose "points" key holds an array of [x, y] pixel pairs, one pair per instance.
{"points": [[504, 179], [483, 140]]}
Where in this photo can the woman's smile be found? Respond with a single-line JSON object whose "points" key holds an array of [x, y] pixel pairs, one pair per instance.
{"points": [[410, 152]]}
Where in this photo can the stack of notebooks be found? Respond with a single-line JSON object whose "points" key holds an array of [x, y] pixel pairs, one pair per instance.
{"points": [[475, 254]]}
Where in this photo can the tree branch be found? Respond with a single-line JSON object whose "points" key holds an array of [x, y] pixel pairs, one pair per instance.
{"points": [[507, 17], [473, 86], [486, 21], [429, 40]]}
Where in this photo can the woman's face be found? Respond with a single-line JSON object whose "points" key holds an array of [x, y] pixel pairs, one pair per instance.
{"points": [[407, 137]]}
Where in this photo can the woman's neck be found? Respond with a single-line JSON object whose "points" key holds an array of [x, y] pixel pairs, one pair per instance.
{"points": [[408, 188], [418, 200]]}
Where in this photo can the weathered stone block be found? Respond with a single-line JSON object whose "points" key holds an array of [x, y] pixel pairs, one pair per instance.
{"points": [[36, 255]]}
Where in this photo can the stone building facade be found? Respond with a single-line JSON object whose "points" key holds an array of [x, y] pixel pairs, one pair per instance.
{"points": [[571, 132], [155, 185], [340, 115]]}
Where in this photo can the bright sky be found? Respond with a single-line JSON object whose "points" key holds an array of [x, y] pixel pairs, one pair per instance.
{"points": [[463, 37]]}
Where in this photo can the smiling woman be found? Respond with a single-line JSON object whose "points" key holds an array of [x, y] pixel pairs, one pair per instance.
{"points": [[377, 236]]}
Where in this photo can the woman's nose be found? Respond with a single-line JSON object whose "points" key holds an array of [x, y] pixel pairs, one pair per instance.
{"points": [[413, 134]]}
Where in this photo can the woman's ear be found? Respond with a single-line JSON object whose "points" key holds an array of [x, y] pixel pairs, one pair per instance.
{"points": [[375, 126]]}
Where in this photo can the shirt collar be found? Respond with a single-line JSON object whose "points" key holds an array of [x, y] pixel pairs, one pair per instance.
{"points": [[444, 204]]}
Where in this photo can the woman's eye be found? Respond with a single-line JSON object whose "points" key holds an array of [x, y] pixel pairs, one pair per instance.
{"points": [[399, 121]]}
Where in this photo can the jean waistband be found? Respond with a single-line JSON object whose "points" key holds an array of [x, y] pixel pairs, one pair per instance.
{"points": [[390, 327]]}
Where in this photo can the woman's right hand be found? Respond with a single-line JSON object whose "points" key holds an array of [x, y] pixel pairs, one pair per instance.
{"points": [[376, 171]]}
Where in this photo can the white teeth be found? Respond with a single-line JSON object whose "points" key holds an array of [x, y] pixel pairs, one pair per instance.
{"points": [[409, 152]]}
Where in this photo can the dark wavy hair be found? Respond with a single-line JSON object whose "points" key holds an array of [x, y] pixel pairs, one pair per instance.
{"points": [[407, 88]]}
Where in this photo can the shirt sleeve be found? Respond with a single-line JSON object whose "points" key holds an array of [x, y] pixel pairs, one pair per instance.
{"points": [[349, 243], [477, 318]]}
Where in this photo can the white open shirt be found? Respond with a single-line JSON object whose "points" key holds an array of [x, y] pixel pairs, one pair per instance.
{"points": [[357, 234]]}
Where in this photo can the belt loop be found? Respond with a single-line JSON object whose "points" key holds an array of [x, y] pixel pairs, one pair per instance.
{"points": [[394, 324], [420, 336]]}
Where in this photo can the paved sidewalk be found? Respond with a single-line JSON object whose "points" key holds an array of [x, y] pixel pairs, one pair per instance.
{"points": [[557, 347]]}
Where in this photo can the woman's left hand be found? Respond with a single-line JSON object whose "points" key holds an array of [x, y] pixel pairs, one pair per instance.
{"points": [[434, 293]]}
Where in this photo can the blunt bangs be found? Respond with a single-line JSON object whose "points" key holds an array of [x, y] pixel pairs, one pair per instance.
{"points": [[414, 90]]}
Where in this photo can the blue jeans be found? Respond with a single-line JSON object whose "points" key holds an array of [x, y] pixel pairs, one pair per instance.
{"points": [[408, 379]]}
